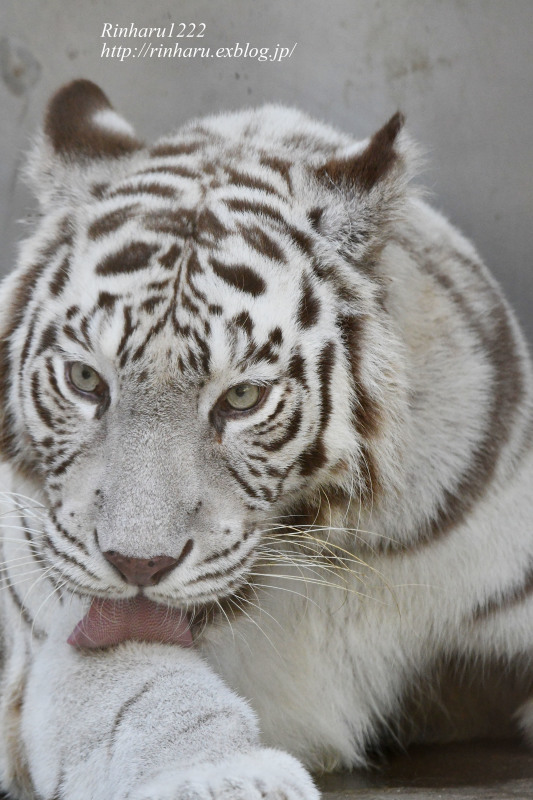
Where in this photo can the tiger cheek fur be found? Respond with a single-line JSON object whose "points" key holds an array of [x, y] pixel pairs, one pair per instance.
{"points": [[250, 371]]}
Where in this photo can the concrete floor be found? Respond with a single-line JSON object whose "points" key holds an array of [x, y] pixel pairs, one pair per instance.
{"points": [[488, 770]]}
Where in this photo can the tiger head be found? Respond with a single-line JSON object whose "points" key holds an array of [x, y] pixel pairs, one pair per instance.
{"points": [[196, 342]]}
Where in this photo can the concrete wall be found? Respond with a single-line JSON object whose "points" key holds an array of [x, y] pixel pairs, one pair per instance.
{"points": [[461, 70]]}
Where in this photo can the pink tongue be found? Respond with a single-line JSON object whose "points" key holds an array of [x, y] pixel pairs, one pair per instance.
{"points": [[110, 622]]}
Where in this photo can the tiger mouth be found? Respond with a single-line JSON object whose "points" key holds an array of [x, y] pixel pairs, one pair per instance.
{"points": [[157, 619], [165, 617]]}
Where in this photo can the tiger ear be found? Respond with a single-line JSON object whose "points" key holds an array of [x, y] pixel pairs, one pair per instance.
{"points": [[364, 191], [81, 135], [366, 169]]}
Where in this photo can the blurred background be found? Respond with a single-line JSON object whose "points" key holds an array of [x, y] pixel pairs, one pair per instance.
{"points": [[461, 71]]}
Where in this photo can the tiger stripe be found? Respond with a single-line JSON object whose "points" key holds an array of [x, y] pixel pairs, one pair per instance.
{"points": [[314, 457], [112, 221], [507, 600], [60, 278], [154, 189], [291, 431], [130, 258], [239, 276], [309, 307], [507, 392]]}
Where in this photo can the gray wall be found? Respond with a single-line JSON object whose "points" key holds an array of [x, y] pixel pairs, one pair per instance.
{"points": [[461, 70]]}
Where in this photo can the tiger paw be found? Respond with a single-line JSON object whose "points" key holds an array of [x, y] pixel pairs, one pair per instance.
{"points": [[257, 775]]}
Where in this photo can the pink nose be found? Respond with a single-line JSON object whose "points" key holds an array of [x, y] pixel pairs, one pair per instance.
{"points": [[141, 571]]}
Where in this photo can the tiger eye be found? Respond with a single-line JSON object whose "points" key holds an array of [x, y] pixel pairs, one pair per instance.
{"points": [[243, 396], [85, 379]]}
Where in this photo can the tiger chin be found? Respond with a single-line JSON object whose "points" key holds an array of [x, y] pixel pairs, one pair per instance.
{"points": [[266, 425]]}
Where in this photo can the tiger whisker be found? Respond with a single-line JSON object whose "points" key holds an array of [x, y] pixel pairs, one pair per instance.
{"points": [[257, 625], [9, 495], [290, 560], [55, 590], [297, 536], [17, 564], [307, 560], [13, 513], [313, 568], [365, 462], [343, 529], [285, 589], [320, 583], [259, 607], [278, 556], [23, 528], [221, 608], [20, 507], [30, 556], [311, 559], [13, 578], [347, 557], [10, 507], [204, 618], [348, 553]]}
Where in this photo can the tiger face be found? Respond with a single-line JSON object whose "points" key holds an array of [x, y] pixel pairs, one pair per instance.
{"points": [[196, 341]]}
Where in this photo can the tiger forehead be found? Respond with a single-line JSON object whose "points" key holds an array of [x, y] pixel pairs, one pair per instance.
{"points": [[177, 249], [143, 230], [175, 201], [198, 307], [193, 169], [187, 299], [200, 185]]}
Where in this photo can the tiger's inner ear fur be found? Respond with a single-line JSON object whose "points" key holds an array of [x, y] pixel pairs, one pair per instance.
{"points": [[363, 192], [81, 134]]}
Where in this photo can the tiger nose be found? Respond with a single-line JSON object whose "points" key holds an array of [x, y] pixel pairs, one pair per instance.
{"points": [[141, 571]]}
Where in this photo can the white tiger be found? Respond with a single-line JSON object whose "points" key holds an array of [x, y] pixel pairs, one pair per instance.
{"points": [[258, 398]]}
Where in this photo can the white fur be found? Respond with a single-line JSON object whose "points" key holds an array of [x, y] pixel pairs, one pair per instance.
{"points": [[338, 627]]}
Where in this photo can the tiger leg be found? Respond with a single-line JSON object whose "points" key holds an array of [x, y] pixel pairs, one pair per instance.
{"points": [[140, 720]]}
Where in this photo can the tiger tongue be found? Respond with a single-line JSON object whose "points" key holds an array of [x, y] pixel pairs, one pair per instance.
{"points": [[110, 622]]}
